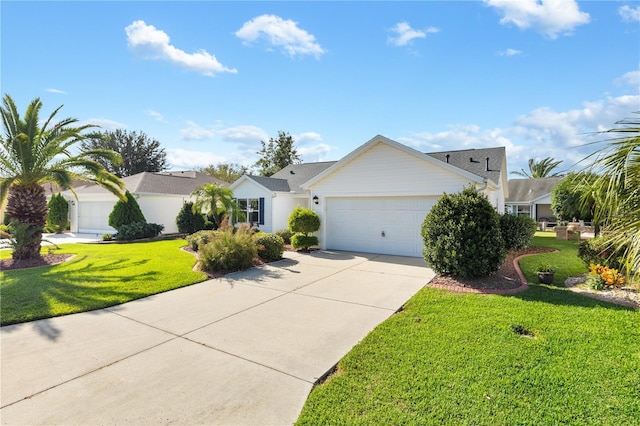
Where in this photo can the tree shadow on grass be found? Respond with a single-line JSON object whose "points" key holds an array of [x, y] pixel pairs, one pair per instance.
{"points": [[562, 296], [29, 295]]}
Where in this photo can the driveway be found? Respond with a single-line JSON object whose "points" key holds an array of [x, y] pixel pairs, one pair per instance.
{"points": [[243, 349]]}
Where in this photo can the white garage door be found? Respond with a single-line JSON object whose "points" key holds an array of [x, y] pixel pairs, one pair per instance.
{"points": [[93, 217], [385, 225]]}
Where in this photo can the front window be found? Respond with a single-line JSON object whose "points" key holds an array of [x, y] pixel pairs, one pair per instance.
{"points": [[251, 209], [524, 211]]}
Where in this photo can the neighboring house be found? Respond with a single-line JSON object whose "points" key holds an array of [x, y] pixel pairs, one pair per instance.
{"points": [[375, 199], [160, 196], [532, 197]]}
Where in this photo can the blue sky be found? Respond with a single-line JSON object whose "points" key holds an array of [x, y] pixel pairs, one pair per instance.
{"points": [[210, 80]]}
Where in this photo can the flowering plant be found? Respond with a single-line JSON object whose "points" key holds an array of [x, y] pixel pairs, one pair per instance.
{"points": [[601, 277]]}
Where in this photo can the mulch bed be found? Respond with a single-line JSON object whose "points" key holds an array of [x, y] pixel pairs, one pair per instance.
{"points": [[505, 279], [44, 260]]}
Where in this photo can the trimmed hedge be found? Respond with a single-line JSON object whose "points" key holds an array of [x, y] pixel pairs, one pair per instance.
{"points": [[270, 246], [517, 231], [303, 222], [285, 234], [138, 230]]}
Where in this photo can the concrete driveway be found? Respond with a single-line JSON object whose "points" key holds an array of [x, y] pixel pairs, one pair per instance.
{"points": [[243, 349]]}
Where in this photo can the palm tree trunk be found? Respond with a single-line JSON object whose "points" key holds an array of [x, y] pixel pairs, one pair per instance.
{"points": [[28, 204]]}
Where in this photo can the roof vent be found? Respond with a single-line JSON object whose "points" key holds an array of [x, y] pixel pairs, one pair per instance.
{"points": [[447, 157], [471, 160], [292, 172], [487, 169]]}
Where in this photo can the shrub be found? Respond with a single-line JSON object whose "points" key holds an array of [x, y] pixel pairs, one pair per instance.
{"points": [[57, 218], [462, 237], [126, 212], [517, 231], [596, 251], [107, 237], [285, 234], [188, 220], [229, 251], [138, 230], [270, 246], [601, 277], [303, 222], [303, 241], [200, 238]]}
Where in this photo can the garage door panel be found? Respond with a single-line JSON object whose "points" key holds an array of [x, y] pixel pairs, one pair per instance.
{"points": [[358, 224], [93, 216]]}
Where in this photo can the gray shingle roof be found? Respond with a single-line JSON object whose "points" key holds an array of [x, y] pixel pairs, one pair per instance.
{"points": [[175, 183], [525, 190], [292, 177], [463, 160]]}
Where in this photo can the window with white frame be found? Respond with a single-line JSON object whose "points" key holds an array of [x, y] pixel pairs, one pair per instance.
{"points": [[251, 209]]}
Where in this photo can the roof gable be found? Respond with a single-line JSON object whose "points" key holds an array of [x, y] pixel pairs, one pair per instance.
{"points": [[379, 139]]}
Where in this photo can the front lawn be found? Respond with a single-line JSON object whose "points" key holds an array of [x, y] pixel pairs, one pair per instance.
{"points": [[100, 275], [542, 356]]}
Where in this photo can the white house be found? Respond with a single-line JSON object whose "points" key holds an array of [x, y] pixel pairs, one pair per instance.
{"points": [[532, 197], [375, 198], [160, 196]]}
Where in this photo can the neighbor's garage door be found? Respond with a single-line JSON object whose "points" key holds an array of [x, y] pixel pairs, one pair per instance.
{"points": [[385, 225], [93, 216]]}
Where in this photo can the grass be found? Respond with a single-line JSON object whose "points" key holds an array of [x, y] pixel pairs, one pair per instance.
{"points": [[542, 356], [100, 275]]}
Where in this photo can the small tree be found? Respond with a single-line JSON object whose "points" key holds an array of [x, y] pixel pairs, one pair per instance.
{"points": [[277, 154], [462, 235], [572, 197], [58, 217], [126, 212], [303, 222], [228, 172], [189, 220]]}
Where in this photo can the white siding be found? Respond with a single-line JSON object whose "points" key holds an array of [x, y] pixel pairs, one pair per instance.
{"points": [[386, 170], [283, 205], [250, 189], [162, 209]]}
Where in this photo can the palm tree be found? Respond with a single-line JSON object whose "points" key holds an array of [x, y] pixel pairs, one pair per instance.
{"points": [[31, 155], [540, 169], [216, 200], [617, 191]]}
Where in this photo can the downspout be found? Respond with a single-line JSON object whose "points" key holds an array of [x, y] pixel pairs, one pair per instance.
{"points": [[486, 184]]}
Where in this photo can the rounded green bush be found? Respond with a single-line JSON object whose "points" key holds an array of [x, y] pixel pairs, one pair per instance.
{"points": [[301, 241], [462, 237], [517, 231], [138, 230], [285, 234], [270, 246], [303, 220]]}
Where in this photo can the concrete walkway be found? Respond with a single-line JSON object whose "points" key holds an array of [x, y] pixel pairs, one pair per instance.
{"points": [[243, 349]]}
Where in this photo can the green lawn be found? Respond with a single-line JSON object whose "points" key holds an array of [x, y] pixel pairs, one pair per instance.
{"points": [[100, 275], [452, 358], [565, 260]]}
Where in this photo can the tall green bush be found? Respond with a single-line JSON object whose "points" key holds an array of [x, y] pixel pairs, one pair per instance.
{"points": [[189, 220], [517, 231], [126, 212], [303, 222], [58, 216], [462, 236]]}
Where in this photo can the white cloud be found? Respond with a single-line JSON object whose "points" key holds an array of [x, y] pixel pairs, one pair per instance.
{"points": [[315, 153], [194, 132], [56, 91], [152, 43], [246, 135], [510, 52], [549, 17], [188, 160], [404, 34], [156, 115], [281, 33], [540, 133], [305, 137], [631, 79], [104, 123], [629, 14]]}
